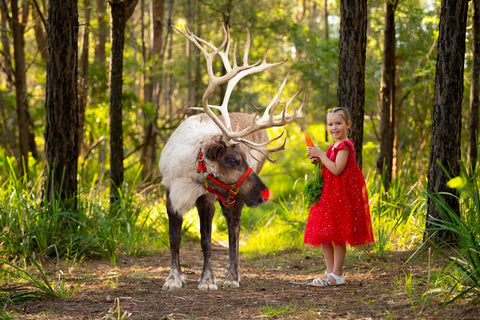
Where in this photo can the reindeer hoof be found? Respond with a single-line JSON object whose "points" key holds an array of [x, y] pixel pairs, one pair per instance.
{"points": [[231, 283], [207, 286], [174, 281], [207, 281]]}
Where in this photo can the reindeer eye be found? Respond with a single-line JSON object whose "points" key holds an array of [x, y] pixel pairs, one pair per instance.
{"points": [[232, 161]]}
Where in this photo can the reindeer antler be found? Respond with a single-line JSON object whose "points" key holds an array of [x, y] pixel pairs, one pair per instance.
{"points": [[233, 75]]}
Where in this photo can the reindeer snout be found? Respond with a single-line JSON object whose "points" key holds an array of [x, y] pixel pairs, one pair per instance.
{"points": [[266, 194]]}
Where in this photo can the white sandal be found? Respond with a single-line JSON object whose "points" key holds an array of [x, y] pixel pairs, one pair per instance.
{"points": [[320, 282]]}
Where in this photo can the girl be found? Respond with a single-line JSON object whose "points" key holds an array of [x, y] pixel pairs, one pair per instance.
{"points": [[341, 216]]}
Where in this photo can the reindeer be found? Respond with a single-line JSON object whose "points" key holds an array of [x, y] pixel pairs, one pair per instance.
{"points": [[212, 157]]}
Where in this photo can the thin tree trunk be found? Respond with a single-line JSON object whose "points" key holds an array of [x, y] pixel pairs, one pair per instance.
{"points": [[387, 95], [102, 32], [7, 134], [194, 73], [120, 12], [474, 89], [40, 27], [61, 105], [447, 113], [191, 21], [83, 73], [152, 89], [351, 66], [26, 140], [169, 81], [327, 84], [7, 67]]}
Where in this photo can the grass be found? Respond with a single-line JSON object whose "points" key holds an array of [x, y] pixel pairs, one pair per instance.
{"points": [[272, 312], [463, 269], [115, 312], [25, 284]]}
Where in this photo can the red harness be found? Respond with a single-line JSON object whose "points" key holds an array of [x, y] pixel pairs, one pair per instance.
{"points": [[233, 188]]}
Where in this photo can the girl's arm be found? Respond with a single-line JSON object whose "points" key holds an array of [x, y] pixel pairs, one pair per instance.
{"points": [[335, 167]]}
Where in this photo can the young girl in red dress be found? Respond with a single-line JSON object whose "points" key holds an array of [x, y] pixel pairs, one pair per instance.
{"points": [[341, 216]]}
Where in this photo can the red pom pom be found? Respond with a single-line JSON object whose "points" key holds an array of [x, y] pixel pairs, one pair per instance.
{"points": [[266, 194]]}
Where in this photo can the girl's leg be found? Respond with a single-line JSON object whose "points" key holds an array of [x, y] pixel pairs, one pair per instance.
{"points": [[339, 253], [329, 255], [334, 258]]}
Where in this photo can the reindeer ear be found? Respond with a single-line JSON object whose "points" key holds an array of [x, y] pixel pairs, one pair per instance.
{"points": [[216, 150]]}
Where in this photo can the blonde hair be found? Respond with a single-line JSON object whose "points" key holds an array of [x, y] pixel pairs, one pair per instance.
{"points": [[343, 112]]}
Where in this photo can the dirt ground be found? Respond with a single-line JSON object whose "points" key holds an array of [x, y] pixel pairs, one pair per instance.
{"points": [[133, 290]]}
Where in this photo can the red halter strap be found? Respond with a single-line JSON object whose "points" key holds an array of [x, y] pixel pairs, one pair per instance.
{"points": [[233, 188]]}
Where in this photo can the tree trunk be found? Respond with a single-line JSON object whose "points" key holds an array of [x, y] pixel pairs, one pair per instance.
{"points": [[83, 81], [61, 123], [168, 80], [40, 27], [102, 32], [327, 84], [120, 12], [351, 66], [474, 89], [194, 73], [387, 95], [447, 112], [152, 90], [7, 67], [26, 139]]}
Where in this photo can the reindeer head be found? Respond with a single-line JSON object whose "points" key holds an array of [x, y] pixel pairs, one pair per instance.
{"points": [[228, 170]]}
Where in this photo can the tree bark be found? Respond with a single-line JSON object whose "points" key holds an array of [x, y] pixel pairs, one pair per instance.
{"points": [[39, 27], [387, 96], [7, 67], [194, 74], [327, 84], [474, 89], [83, 72], [61, 123], [152, 91], [120, 12], [102, 32], [447, 112], [351, 66], [26, 139]]}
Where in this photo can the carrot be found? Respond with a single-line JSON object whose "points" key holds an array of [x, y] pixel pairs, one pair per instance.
{"points": [[308, 140]]}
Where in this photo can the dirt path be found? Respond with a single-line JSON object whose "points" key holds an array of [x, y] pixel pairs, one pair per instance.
{"points": [[374, 290]]}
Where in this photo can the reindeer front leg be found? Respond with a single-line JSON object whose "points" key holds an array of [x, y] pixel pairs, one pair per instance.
{"points": [[206, 209], [233, 218], [175, 279]]}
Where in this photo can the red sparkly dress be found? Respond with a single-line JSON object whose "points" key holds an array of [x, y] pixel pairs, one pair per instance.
{"points": [[342, 214]]}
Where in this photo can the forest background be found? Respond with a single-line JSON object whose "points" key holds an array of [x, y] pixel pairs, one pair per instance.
{"points": [[163, 76]]}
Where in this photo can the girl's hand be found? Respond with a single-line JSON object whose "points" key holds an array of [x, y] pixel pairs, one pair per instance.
{"points": [[314, 153]]}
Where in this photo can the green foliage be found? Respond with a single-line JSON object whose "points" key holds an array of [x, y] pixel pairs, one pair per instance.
{"points": [[115, 313], [280, 229], [27, 285], [397, 214], [466, 229], [94, 228], [313, 187], [272, 312]]}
